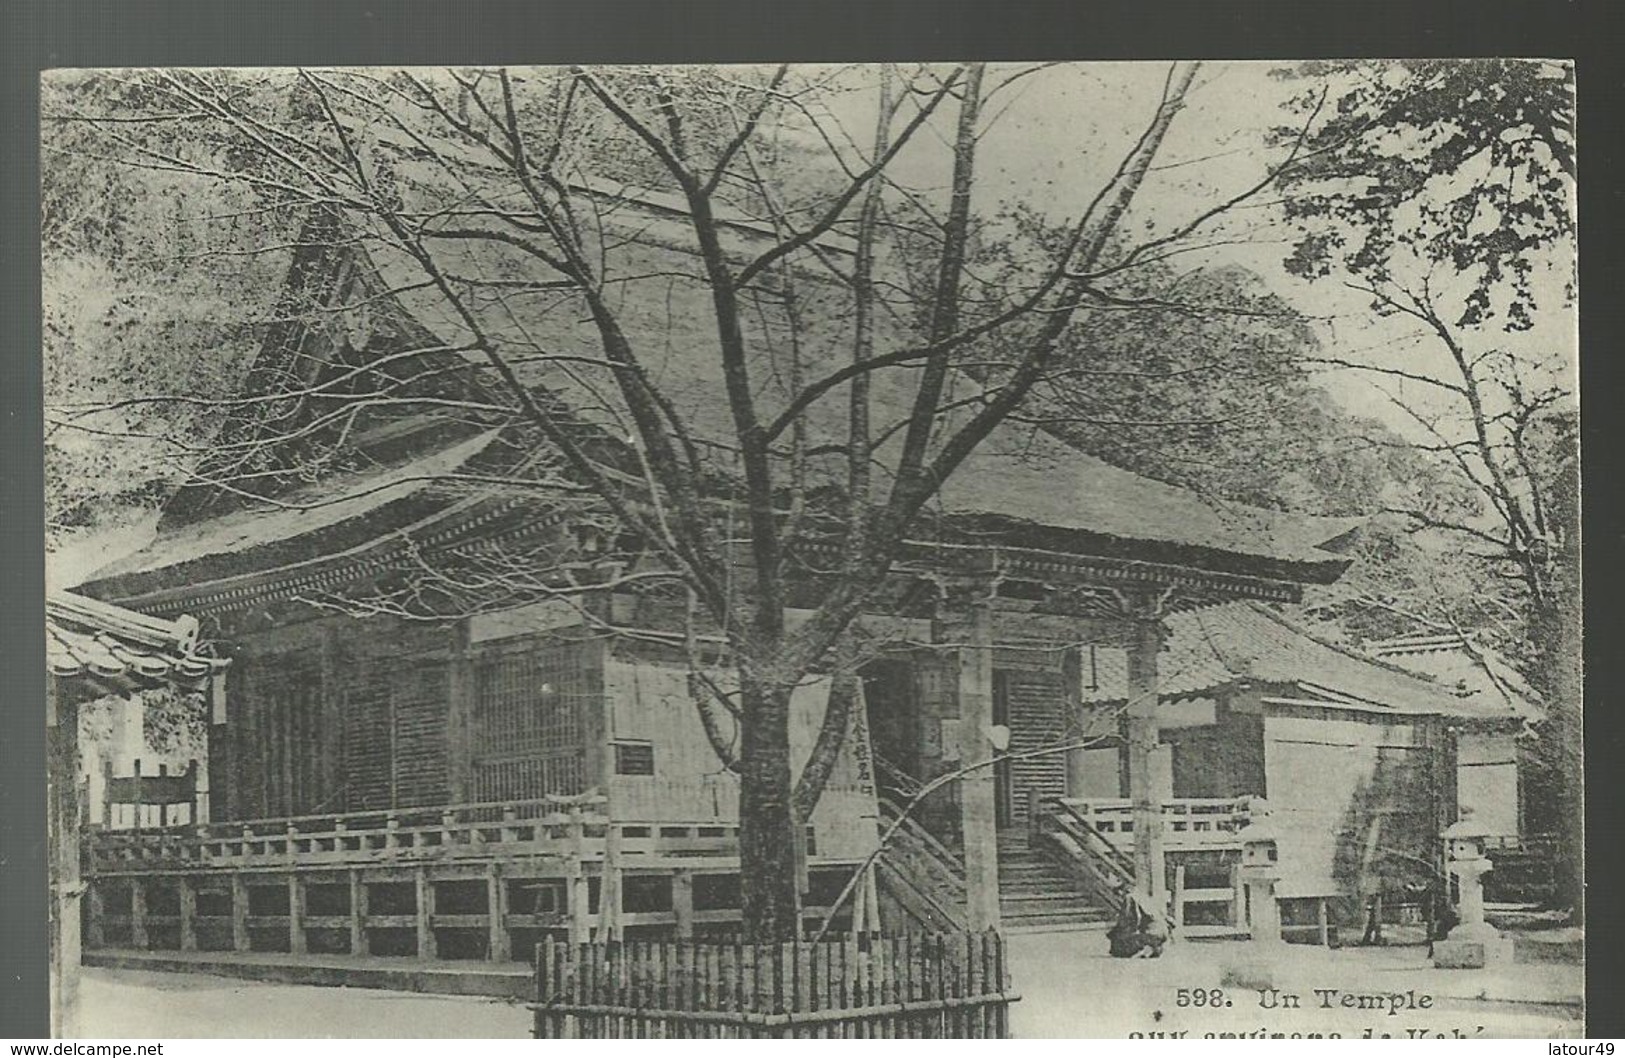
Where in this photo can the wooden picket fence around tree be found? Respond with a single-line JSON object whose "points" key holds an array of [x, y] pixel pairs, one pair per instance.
{"points": [[940, 986]]}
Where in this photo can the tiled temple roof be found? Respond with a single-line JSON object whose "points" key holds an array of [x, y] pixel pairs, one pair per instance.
{"points": [[119, 648], [1020, 480]]}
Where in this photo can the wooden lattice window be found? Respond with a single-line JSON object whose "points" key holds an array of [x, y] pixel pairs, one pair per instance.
{"points": [[529, 709], [634, 758]]}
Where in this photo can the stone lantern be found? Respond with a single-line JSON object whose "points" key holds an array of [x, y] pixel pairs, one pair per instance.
{"points": [[1258, 874], [1473, 943], [1255, 965]]}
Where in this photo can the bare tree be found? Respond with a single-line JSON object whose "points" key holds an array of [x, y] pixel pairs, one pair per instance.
{"points": [[502, 197]]}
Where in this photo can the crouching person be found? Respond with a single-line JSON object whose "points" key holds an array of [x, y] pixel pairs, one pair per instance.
{"points": [[1141, 929]]}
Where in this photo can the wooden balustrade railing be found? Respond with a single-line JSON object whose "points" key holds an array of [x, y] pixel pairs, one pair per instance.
{"points": [[921, 873], [1187, 822], [1060, 817], [566, 826], [1090, 856]]}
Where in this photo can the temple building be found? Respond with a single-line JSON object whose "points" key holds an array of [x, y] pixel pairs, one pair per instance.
{"points": [[454, 723]]}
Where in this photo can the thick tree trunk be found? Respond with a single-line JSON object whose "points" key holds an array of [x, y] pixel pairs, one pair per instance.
{"points": [[1571, 883], [1558, 633], [63, 743], [767, 821], [1562, 758]]}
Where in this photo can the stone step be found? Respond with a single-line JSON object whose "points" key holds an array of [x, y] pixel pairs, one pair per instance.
{"points": [[1044, 893], [1041, 885], [1068, 926], [1030, 866], [1046, 877], [1044, 901], [1057, 921], [1075, 908], [1022, 870], [508, 980]]}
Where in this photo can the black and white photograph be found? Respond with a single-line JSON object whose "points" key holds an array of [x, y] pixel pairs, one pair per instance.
{"points": [[870, 550]]}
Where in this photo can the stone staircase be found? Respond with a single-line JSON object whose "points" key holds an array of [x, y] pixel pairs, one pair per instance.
{"points": [[1036, 894]]}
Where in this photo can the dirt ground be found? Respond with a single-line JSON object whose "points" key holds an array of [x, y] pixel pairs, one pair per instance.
{"points": [[133, 1004], [1069, 988]]}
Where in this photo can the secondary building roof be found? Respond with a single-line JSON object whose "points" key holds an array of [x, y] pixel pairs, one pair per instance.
{"points": [[1457, 661], [116, 649], [1216, 648]]}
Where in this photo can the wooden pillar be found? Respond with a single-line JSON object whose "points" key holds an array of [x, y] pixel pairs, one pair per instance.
{"points": [[138, 913], [107, 820], [575, 882], [194, 813], [296, 914], [329, 741], [970, 628], [609, 886], [282, 739], [239, 913], [682, 903], [358, 914], [140, 805], [97, 936], [188, 898], [222, 791], [65, 814], [1072, 713], [1145, 642], [425, 915], [498, 947], [460, 718]]}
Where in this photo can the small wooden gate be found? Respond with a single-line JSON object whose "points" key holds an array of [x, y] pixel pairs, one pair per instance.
{"points": [[943, 986]]}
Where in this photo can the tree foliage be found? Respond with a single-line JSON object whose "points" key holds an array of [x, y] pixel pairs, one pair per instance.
{"points": [[1468, 164], [1444, 190]]}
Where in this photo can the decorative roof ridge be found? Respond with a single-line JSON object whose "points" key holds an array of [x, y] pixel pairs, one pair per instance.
{"points": [[1353, 653], [117, 648], [65, 607], [670, 203], [1402, 644], [1514, 690]]}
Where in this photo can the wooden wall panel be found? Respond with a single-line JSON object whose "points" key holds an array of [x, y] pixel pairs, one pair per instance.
{"points": [[277, 735], [1353, 800], [368, 740], [1037, 719], [247, 797], [314, 725], [420, 699], [651, 704], [1487, 780], [1222, 760]]}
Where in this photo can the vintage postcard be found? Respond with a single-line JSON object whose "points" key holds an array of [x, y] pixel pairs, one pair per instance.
{"points": [[814, 551]]}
